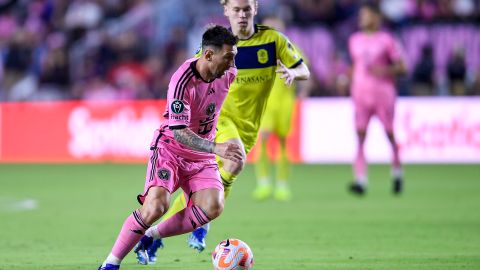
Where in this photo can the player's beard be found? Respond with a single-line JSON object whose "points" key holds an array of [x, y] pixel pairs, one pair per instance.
{"points": [[218, 75]]}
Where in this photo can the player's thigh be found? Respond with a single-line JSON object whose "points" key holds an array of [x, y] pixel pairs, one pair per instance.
{"points": [[268, 120], [386, 114], [284, 120], [161, 172], [363, 114], [228, 132], [206, 188]]}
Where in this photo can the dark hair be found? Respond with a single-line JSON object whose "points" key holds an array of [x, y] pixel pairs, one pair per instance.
{"points": [[218, 35], [372, 7]]}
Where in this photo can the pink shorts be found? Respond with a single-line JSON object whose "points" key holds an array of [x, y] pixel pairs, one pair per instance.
{"points": [[170, 171], [384, 110]]}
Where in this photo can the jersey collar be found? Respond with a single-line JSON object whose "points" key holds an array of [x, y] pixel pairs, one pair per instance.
{"points": [[255, 29], [196, 73]]}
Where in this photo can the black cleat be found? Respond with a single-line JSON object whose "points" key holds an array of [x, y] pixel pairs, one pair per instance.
{"points": [[357, 189], [397, 187]]}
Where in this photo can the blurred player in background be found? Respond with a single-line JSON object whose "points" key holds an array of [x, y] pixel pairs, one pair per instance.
{"points": [[262, 51], [183, 151], [377, 58], [276, 121]]}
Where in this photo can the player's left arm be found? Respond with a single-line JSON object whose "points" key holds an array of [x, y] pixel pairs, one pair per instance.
{"points": [[397, 66], [289, 63], [300, 72]]}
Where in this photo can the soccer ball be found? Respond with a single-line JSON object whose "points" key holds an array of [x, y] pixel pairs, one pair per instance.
{"points": [[232, 254]]}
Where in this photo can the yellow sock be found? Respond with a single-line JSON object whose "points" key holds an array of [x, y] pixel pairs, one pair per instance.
{"points": [[283, 165], [262, 164], [178, 204], [227, 179]]}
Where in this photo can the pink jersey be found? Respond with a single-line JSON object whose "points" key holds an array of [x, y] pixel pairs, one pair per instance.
{"points": [[369, 50], [195, 104]]}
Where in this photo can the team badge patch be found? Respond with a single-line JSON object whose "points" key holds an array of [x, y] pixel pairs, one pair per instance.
{"points": [[177, 106], [164, 174], [211, 108], [262, 56]]}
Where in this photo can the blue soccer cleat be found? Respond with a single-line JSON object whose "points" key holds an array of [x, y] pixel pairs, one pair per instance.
{"points": [[141, 249], [109, 267], [196, 239], [152, 251]]}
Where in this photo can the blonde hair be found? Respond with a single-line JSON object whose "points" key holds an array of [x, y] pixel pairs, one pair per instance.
{"points": [[224, 2]]}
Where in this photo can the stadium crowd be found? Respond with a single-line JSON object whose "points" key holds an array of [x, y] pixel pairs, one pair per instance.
{"points": [[128, 49]]}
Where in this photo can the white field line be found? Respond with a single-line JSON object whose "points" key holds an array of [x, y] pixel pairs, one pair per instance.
{"points": [[17, 205]]}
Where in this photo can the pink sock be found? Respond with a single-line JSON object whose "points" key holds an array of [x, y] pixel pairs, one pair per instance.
{"points": [[360, 165], [184, 221], [133, 229]]}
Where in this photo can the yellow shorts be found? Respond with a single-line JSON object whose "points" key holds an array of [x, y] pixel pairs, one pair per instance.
{"points": [[227, 129], [278, 115]]}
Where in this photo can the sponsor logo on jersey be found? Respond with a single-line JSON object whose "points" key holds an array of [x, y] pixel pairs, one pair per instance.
{"points": [[177, 106], [262, 56], [253, 79], [210, 109], [179, 117]]}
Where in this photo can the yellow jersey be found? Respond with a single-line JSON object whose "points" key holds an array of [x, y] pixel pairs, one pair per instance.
{"points": [[256, 63]]}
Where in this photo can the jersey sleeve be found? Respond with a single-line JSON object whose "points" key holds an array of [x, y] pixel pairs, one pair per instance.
{"points": [[178, 102], [287, 53]]}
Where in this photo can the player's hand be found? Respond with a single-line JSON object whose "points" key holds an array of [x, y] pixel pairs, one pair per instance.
{"points": [[287, 73], [231, 151]]}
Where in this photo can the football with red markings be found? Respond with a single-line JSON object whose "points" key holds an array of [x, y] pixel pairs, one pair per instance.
{"points": [[232, 254]]}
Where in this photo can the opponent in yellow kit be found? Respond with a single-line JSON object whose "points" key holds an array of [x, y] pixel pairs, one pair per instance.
{"points": [[276, 121], [262, 53]]}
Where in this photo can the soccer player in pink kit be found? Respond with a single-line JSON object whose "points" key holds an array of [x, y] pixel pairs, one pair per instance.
{"points": [[377, 59], [183, 151]]}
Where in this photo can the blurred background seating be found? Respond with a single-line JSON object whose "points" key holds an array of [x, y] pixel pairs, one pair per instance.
{"points": [[127, 49]]}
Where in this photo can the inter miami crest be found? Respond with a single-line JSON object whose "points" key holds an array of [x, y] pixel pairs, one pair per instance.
{"points": [[177, 106], [210, 109], [163, 174]]}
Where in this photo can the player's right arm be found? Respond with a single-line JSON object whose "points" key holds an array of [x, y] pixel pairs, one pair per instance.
{"points": [[190, 139]]}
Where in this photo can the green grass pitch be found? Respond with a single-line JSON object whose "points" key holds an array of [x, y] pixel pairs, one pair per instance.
{"points": [[435, 224]]}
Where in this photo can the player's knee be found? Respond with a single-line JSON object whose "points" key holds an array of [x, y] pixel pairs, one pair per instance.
{"points": [[390, 135], [361, 133], [154, 210], [214, 208]]}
